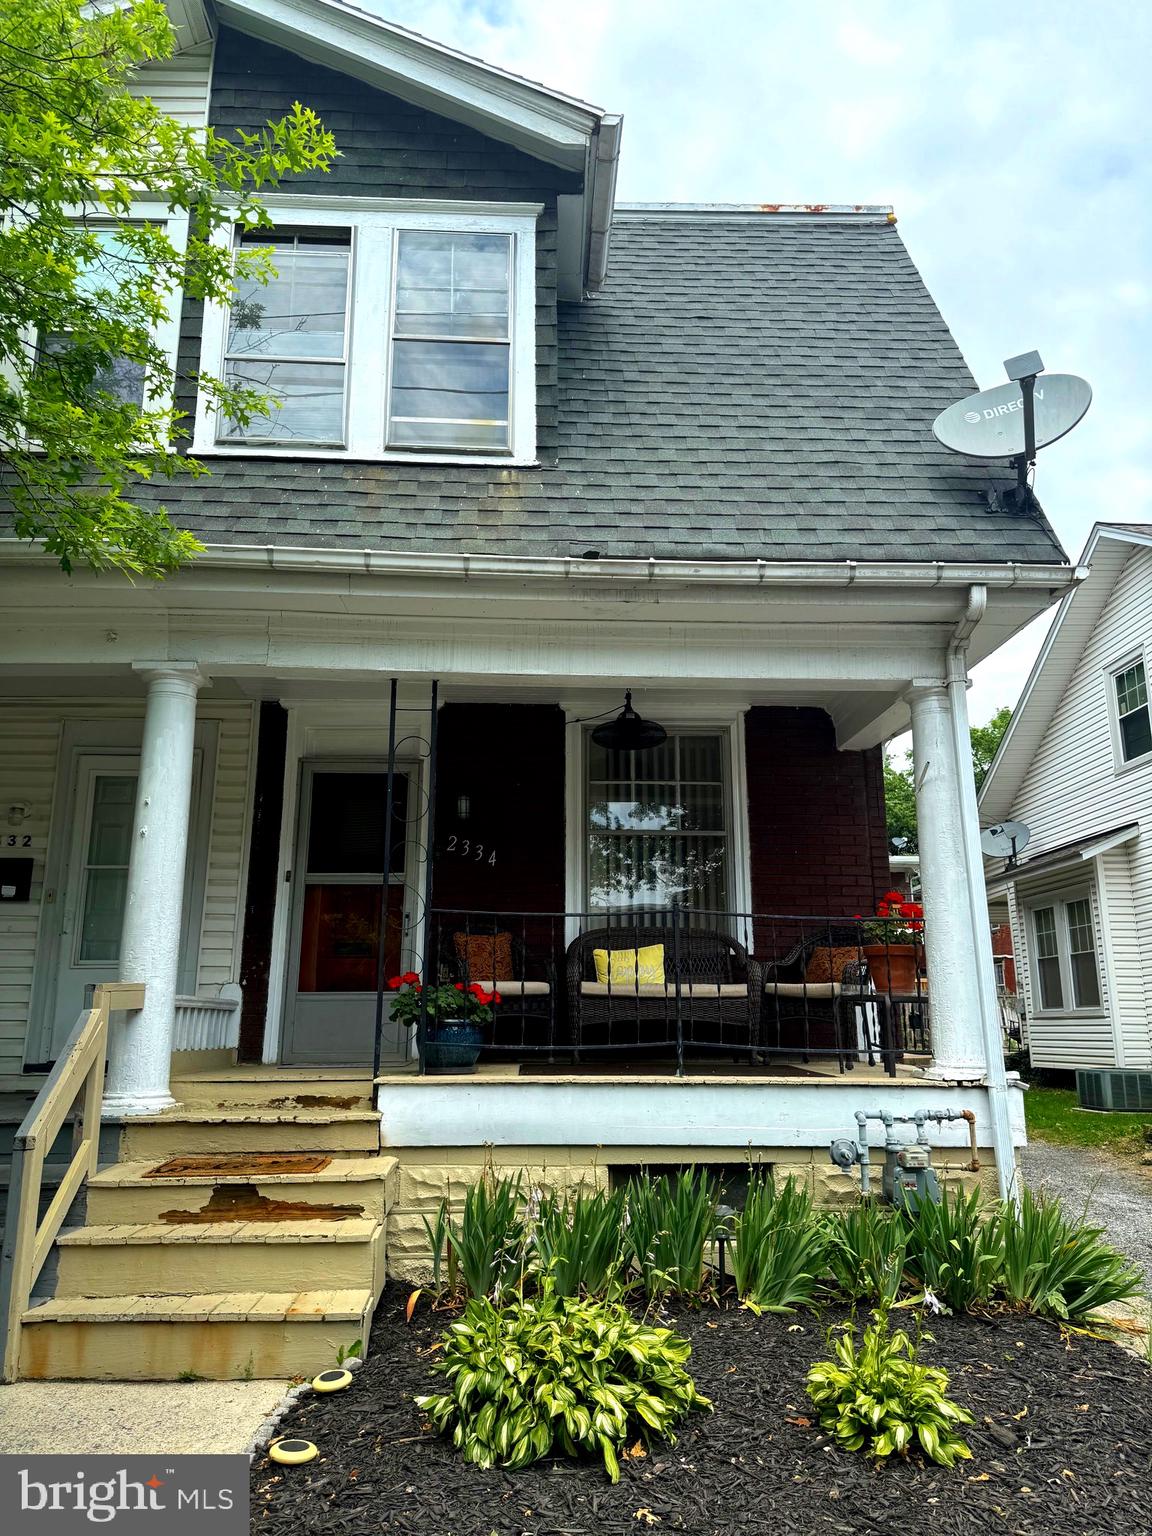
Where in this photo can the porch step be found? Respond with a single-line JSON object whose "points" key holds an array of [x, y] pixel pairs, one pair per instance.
{"points": [[221, 1335], [362, 1186], [274, 1088], [193, 1131], [188, 1258]]}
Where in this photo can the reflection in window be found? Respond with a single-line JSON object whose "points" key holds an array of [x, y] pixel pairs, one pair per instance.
{"points": [[106, 869], [1048, 958], [1082, 954], [451, 347], [657, 826], [287, 338], [115, 264]]}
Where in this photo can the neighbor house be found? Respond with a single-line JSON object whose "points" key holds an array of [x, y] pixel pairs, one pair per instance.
{"points": [[535, 451], [1075, 767]]}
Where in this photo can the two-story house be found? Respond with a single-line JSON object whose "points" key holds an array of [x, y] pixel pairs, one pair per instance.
{"points": [[1075, 767], [534, 452]]}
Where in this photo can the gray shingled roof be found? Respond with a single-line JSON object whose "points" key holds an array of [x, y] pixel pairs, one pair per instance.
{"points": [[745, 386]]}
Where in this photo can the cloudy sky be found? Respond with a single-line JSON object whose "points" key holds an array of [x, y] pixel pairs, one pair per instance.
{"points": [[1012, 139]]}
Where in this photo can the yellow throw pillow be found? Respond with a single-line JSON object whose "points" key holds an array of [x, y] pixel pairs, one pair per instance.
{"points": [[640, 967]]}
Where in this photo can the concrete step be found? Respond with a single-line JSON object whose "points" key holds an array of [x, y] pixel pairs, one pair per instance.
{"points": [[186, 1259], [222, 1336], [274, 1088], [347, 1186], [190, 1131]]}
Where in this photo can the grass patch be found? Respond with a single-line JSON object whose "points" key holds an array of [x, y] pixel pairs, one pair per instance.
{"points": [[1053, 1115]]}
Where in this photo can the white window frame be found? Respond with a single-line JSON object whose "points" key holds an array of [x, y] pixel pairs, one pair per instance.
{"points": [[375, 223], [1137, 657], [1060, 901], [166, 334]]}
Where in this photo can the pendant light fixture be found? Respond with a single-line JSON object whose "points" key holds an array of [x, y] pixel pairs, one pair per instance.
{"points": [[629, 732]]}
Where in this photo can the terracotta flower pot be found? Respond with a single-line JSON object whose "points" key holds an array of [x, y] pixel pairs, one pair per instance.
{"points": [[894, 967]]}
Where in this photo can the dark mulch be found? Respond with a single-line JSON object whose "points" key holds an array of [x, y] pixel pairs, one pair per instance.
{"points": [[1062, 1447]]}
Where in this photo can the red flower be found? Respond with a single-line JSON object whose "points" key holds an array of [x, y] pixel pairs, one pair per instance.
{"points": [[460, 986], [882, 909], [496, 998], [893, 896], [478, 991], [411, 978], [395, 983]]}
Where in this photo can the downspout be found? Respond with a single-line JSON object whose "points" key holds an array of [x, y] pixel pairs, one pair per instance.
{"points": [[995, 1076]]}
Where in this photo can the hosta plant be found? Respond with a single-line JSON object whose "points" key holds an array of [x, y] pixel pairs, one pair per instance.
{"points": [[1058, 1267], [867, 1249], [558, 1373], [779, 1246], [670, 1219], [955, 1249], [874, 1396]]}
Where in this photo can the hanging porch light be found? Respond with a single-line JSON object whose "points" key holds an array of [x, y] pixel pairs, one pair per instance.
{"points": [[629, 732]]}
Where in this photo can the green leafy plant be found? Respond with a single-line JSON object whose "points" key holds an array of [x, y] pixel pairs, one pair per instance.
{"points": [[488, 1245], [955, 1249], [558, 1373], [1058, 1267], [351, 1351], [866, 1253], [579, 1241], [446, 1000], [875, 1396], [779, 1246], [445, 1270], [669, 1220]]}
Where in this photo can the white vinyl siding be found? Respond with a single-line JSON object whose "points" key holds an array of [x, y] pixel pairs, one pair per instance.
{"points": [[179, 86], [30, 739], [1073, 790]]}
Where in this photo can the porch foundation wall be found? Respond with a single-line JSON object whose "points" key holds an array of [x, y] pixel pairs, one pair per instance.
{"points": [[429, 1175]]}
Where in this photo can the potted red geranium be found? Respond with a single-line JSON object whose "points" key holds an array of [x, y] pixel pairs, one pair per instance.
{"points": [[895, 947], [455, 1017]]}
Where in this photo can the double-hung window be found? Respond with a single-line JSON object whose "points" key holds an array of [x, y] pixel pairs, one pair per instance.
{"points": [[386, 332], [113, 264], [1133, 720], [288, 339], [1066, 971]]}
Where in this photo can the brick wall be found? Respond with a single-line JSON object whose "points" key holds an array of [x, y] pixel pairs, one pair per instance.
{"points": [[816, 819]]}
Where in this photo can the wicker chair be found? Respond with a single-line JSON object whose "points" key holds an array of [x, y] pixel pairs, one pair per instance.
{"points": [[526, 1013], [807, 1017], [711, 996]]}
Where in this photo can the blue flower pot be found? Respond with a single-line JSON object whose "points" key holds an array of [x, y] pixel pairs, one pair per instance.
{"points": [[451, 1045]]}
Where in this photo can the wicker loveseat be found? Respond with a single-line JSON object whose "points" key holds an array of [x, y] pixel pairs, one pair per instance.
{"points": [[710, 999]]}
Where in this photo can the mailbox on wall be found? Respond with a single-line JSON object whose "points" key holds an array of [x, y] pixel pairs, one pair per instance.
{"points": [[15, 879]]}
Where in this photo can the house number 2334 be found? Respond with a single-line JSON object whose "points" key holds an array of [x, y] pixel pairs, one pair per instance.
{"points": [[465, 848]]}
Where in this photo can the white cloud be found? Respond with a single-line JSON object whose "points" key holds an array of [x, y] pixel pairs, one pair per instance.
{"points": [[1012, 140]]}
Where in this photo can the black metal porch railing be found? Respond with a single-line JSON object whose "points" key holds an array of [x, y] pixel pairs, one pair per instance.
{"points": [[751, 989]]}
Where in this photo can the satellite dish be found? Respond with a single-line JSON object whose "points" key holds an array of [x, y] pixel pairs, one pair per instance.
{"points": [[1006, 840], [990, 425]]}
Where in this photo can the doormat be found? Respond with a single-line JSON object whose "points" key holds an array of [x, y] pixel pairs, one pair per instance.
{"points": [[230, 1164], [662, 1069]]}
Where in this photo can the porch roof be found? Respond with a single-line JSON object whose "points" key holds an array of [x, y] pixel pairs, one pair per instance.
{"points": [[750, 384]]}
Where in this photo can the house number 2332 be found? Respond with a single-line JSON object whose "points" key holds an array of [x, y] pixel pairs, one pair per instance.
{"points": [[465, 848]]}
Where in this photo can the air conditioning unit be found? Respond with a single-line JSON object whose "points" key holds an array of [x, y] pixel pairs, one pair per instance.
{"points": [[1115, 1090]]}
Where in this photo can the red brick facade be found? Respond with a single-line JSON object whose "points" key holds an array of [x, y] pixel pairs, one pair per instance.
{"points": [[816, 821]]}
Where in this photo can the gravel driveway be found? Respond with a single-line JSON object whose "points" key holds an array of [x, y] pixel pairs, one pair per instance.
{"points": [[1118, 1197]]}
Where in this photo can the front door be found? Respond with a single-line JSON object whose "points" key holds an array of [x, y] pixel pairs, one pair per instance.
{"points": [[86, 909], [338, 881]]}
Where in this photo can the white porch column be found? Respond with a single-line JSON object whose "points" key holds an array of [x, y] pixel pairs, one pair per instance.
{"points": [[950, 940], [140, 1044]]}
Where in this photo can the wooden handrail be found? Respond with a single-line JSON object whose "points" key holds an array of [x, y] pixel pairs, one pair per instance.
{"points": [[77, 1077]]}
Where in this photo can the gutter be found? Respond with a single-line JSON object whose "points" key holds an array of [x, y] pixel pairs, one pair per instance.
{"points": [[995, 1075], [600, 178], [755, 573]]}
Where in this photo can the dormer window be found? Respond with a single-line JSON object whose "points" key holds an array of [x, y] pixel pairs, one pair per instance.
{"points": [[385, 333]]}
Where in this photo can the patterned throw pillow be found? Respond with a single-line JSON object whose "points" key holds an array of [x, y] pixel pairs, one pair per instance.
{"points": [[827, 963], [643, 967], [485, 956]]}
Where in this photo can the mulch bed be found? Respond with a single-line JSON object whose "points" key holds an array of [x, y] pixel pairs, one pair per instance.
{"points": [[1062, 1446]]}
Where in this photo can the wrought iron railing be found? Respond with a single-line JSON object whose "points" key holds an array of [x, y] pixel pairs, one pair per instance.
{"points": [[753, 989]]}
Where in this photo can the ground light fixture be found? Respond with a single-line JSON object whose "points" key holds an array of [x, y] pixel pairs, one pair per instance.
{"points": [[292, 1451], [629, 732], [332, 1381]]}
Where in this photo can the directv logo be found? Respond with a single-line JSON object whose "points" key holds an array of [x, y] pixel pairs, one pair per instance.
{"points": [[975, 417]]}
